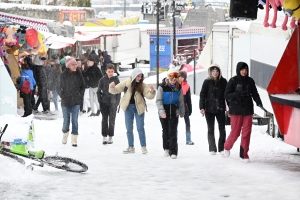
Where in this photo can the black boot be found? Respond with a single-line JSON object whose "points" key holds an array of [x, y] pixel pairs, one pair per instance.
{"points": [[98, 113]]}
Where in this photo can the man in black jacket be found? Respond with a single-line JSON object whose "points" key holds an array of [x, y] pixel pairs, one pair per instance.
{"points": [[239, 93], [92, 76], [212, 105], [42, 84], [71, 90], [108, 103]]}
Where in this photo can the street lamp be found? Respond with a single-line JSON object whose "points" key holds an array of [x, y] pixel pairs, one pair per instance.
{"points": [[174, 30], [157, 43], [124, 8]]}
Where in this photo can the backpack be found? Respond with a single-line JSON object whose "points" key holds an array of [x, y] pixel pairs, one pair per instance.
{"points": [[25, 87]]}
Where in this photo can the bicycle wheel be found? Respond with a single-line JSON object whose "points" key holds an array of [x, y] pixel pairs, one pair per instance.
{"points": [[65, 163], [12, 156]]}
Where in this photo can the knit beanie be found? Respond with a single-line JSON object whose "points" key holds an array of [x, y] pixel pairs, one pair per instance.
{"points": [[172, 70], [214, 68], [183, 74], [70, 61]]}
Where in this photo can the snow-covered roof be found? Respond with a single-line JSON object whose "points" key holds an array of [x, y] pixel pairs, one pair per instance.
{"points": [[40, 7]]}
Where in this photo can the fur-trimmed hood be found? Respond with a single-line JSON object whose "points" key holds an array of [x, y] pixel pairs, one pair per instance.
{"points": [[209, 71]]}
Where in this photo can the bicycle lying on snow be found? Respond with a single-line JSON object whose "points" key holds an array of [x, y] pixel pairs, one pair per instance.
{"points": [[17, 151]]}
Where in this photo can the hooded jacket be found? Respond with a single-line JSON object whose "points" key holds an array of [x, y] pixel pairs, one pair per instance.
{"points": [[104, 97], [170, 101], [212, 98], [240, 91], [138, 98]]}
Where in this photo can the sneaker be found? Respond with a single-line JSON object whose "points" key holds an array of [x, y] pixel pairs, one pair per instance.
{"points": [[89, 109], [98, 113], [83, 111], [104, 140], [92, 115], [129, 150], [226, 153], [46, 112], [245, 160], [110, 140], [173, 156], [221, 153], [190, 143], [35, 111], [144, 150], [212, 153], [166, 154]]}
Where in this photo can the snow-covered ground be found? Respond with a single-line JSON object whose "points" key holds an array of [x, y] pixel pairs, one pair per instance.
{"points": [[274, 171]]}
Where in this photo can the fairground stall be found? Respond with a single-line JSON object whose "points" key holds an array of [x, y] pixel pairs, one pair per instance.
{"points": [[187, 40]]}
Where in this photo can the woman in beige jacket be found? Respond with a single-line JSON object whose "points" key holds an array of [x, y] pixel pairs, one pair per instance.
{"points": [[134, 105]]}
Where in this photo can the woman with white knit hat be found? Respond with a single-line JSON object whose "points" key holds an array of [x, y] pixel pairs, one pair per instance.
{"points": [[170, 105]]}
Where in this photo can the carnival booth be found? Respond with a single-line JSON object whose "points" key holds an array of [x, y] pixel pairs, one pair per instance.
{"points": [[284, 91], [20, 37], [187, 40]]}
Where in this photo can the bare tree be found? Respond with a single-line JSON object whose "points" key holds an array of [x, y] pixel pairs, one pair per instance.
{"points": [[36, 2], [53, 3]]}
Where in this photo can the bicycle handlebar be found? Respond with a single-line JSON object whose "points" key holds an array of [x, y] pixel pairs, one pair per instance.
{"points": [[2, 131]]}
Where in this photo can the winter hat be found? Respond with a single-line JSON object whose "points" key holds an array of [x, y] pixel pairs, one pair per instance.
{"points": [[183, 74], [91, 58], [70, 61], [214, 68], [172, 69]]}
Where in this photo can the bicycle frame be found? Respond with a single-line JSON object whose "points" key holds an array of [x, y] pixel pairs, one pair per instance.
{"points": [[58, 162]]}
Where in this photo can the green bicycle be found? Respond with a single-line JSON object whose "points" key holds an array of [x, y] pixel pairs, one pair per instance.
{"points": [[18, 152]]}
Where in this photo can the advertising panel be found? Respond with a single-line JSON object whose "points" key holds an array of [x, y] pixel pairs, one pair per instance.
{"points": [[165, 52]]}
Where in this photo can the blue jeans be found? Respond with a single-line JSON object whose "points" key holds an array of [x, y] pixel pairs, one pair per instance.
{"points": [[129, 115], [67, 112], [55, 99]]}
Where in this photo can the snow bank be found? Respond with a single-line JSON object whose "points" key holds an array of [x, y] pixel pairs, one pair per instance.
{"points": [[18, 128]]}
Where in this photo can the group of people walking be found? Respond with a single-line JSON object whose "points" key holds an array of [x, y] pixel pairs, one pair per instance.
{"points": [[43, 76], [173, 100], [216, 94]]}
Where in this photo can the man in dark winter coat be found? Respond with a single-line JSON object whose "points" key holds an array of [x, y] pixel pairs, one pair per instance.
{"points": [[108, 104], [92, 77], [85, 107], [212, 105], [239, 93], [71, 91], [42, 84]]}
